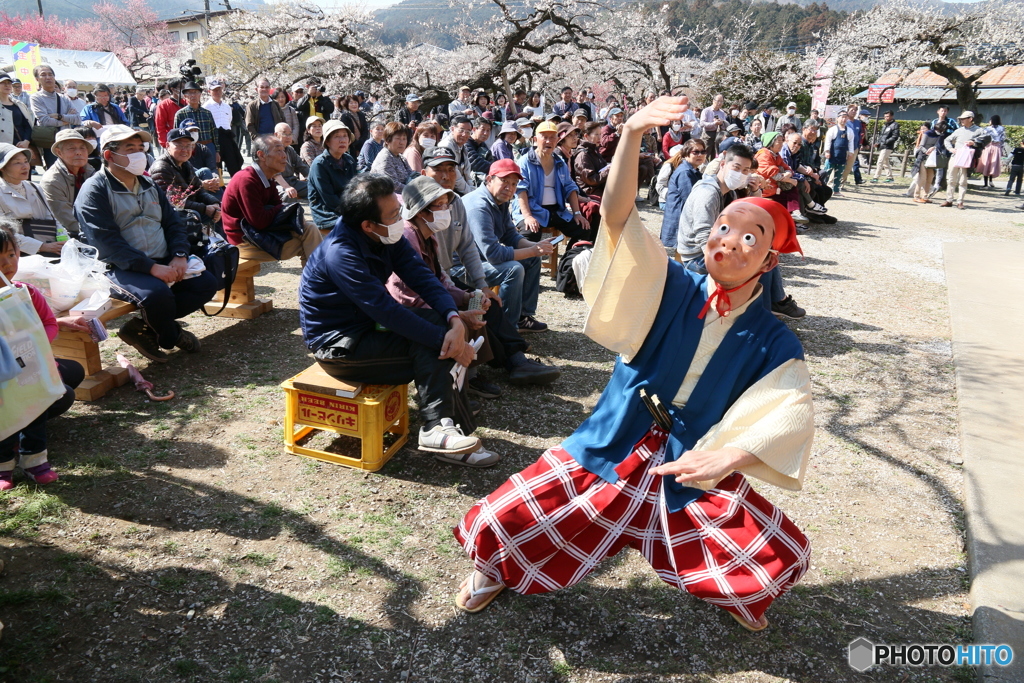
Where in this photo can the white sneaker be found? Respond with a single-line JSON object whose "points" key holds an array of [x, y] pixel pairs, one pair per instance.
{"points": [[447, 438], [481, 457], [816, 208], [799, 217]]}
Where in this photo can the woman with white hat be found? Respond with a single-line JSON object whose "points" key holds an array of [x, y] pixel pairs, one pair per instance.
{"points": [[329, 174], [22, 200]]}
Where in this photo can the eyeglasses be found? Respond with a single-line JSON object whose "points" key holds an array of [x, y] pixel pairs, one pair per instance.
{"points": [[701, 152]]}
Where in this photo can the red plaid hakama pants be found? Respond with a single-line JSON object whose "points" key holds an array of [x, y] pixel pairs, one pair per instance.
{"points": [[550, 525]]}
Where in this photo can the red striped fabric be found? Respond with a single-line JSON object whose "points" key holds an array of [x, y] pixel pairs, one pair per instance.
{"points": [[550, 525]]}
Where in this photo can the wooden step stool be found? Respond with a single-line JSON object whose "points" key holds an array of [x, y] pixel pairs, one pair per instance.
{"points": [[242, 301], [313, 403], [551, 261], [80, 347]]}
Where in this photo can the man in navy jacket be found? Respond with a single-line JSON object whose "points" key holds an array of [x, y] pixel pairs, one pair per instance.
{"points": [[359, 333]]}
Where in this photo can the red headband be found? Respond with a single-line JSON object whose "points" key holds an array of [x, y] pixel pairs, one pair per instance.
{"points": [[784, 241]]}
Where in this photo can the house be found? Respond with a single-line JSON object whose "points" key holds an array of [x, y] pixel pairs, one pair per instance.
{"points": [[189, 28], [1000, 91]]}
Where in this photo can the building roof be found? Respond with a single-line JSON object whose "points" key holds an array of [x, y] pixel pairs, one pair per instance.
{"points": [[999, 84], [199, 16], [923, 77]]}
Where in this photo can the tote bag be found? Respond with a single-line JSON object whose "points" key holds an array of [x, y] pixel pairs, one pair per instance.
{"points": [[964, 158], [28, 394]]}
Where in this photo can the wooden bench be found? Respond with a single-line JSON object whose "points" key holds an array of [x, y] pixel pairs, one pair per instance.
{"points": [[80, 347], [242, 301]]}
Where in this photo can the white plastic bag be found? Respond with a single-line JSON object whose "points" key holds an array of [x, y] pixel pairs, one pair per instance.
{"points": [[77, 276]]}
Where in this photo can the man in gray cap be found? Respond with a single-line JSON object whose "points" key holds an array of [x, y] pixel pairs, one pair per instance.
{"points": [[19, 94], [64, 179], [145, 248], [410, 114]]}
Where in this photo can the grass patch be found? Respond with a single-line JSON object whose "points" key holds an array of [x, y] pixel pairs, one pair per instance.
{"points": [[21, 597], [259, 559], [24, 509]]}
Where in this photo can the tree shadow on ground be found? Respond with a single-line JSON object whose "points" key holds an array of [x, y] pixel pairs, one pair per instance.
{"points": [[180, 622]]}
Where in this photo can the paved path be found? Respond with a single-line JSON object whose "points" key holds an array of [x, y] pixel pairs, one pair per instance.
{"points": [[986, 301]]}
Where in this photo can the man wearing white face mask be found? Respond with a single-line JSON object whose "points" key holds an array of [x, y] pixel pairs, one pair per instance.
{"points": [[791, 117], [707, 199], [71, 92], [358, 333], [127, 217]]}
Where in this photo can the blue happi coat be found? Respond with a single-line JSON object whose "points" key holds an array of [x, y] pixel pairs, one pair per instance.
{"points": [[756, 345]]}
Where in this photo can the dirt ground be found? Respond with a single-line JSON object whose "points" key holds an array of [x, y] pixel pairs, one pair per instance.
{"points": [[182, 544]]}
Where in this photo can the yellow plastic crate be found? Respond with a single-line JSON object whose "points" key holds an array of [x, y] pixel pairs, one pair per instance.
{"points": [[376, 411]]}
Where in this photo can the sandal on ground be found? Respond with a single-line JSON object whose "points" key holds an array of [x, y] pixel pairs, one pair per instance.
{"points": [[753, 628], [493, 592]]}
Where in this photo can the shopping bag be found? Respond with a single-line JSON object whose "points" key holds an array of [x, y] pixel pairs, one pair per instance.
{"points": [[963, 158], [29, 393], [933, 159]]}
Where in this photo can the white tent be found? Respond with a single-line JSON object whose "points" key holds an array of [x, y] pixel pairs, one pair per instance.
{"points": [[86, 67]]}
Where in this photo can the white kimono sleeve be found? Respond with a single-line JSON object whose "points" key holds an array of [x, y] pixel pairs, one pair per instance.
{"points": [[624, 286], [774, 420]]}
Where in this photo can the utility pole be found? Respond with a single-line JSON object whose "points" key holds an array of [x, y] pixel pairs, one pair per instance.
{"points": [[40, 3], [206, 13]]}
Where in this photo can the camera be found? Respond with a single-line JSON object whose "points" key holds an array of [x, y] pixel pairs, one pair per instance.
{"points": [[190, 72]]}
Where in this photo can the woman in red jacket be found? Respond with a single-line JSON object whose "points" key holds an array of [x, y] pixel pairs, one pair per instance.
{"points": [[779, 183]]}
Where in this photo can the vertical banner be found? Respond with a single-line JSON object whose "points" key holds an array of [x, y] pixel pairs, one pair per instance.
{"points": [[825, 68], [26, 57]]}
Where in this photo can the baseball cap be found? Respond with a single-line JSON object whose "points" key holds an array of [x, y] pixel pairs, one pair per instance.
{"points": [[215, 83], [613, 111], [489, 115], [420, 193], [298, 87], [188, 124], [732, 128], [436, 156], [791, 105], [119, 132], [6, 77], [546, 127], [504, 167], [413, 97], [16, 81], [177, 134], [966, 115], [359, 93]]}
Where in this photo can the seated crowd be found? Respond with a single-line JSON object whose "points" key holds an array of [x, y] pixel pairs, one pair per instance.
{"points": [[425, 233]]}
